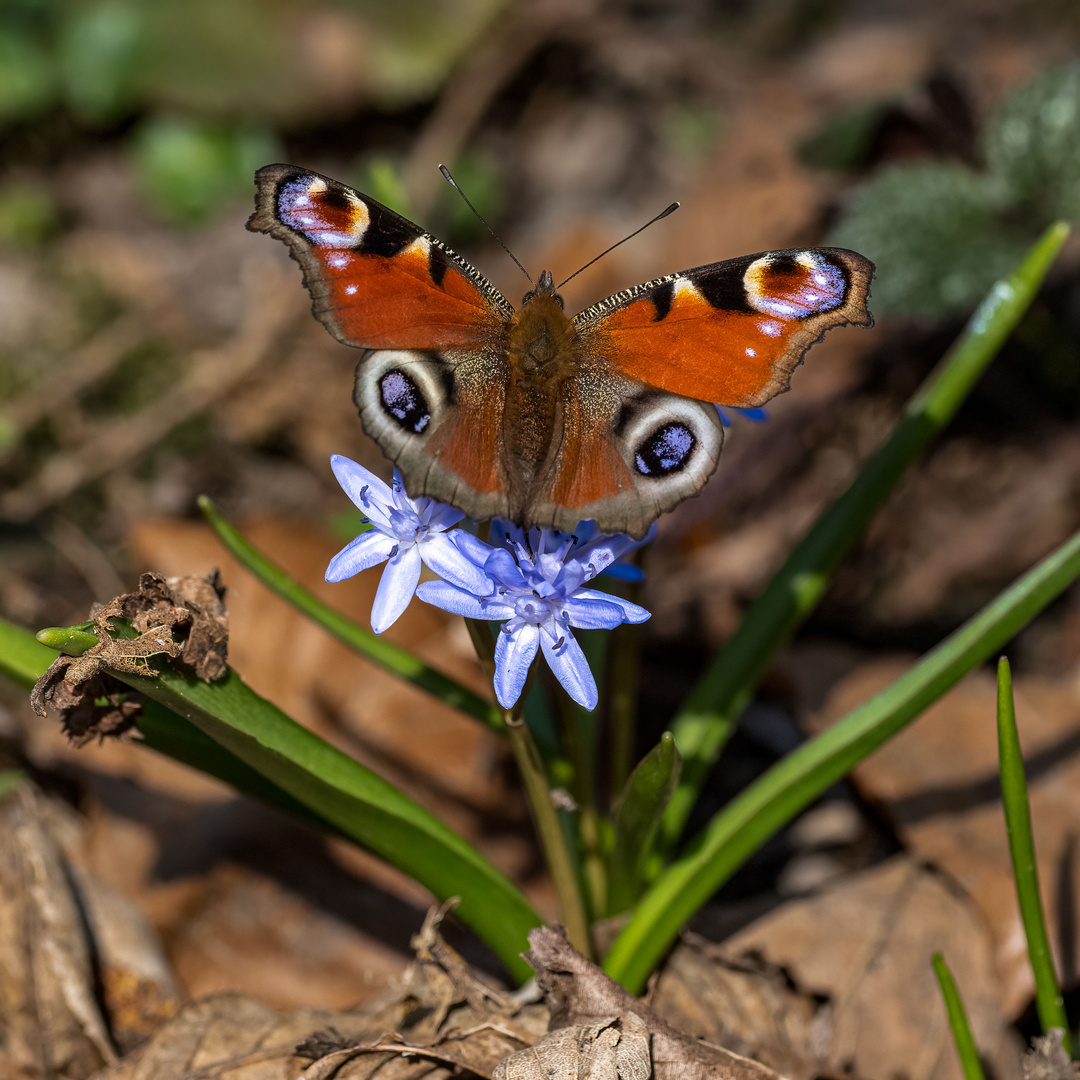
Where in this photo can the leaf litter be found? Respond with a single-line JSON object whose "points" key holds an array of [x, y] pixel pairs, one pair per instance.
{"points": [[183, 618]]}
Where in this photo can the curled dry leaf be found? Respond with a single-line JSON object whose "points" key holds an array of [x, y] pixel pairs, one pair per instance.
{"points": [[746, 1004], [82, 974], [601, 1016], [52, 1024], [183, 618]]}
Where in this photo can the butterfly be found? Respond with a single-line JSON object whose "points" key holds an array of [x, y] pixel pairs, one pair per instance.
{"points": [[530, 415]]}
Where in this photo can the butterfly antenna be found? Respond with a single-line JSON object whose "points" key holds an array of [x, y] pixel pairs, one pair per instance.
{"points": [[453, 183], [663, 214]]}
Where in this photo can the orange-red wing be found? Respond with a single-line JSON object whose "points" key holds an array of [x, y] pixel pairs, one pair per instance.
{"points": [[731, 332], [376, 280]]}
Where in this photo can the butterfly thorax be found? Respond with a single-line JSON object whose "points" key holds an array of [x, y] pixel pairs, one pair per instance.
{"points": [[543, 352]]}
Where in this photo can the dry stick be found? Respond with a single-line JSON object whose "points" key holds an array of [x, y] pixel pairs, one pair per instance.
{"points": [[214, 372]]}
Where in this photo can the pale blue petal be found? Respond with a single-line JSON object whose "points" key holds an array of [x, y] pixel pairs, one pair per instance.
{"points": [[632, 613], [472, 547], [514, 654], [502, 567], [396, 589], [442, 594], [367, 550], [571, 668], [354, 479], [587, 613], [442, 552]]}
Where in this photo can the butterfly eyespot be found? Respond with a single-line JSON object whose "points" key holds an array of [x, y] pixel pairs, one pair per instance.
{"points": [[402, 400], [330, 217], [666, 451]]}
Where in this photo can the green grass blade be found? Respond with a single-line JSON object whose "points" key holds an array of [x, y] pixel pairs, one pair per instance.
{"points": [[775, 798], [958, 1021], [23, 661], [356, 801], [705, 723], [637, 819], [390, 657], [1014, 796], [227, 730]]}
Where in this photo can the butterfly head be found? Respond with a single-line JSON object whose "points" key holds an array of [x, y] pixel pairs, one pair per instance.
{"points": [[544, 287]]}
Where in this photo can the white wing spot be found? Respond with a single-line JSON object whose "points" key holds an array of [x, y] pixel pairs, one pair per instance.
{"points": [[751, 352], [339, 260], [770, 327], [350, 290]]}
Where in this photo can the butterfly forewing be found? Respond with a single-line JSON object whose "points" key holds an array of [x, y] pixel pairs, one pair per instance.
{"points": [[376, 280], [730, 332]]}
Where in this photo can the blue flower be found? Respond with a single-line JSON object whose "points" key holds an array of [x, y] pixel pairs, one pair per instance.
{"points": [[404, 533], [535, 587]]}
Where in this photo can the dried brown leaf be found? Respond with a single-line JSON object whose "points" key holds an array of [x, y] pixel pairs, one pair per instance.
{"points": [[183, 618], [580, 995], [746, 1004], [52, 1024]]}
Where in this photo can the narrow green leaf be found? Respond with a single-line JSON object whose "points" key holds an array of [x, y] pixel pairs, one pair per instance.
{"points": [[1014, 795], [708, 718], [775, 798], [356, 801], [69, 640], [958, 1021], [392, 658], [637, 818], [24, 661], [228, 731]]}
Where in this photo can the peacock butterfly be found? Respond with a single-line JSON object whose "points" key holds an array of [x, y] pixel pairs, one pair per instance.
{"points": [[530, 415]]}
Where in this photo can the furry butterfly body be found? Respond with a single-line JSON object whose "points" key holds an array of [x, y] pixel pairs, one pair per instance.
{"points": [[531, 415]]}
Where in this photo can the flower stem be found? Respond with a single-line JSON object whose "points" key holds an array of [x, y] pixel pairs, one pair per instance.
{"points": [[538, 791], [546, 820], [624, 668], [584, 790]]}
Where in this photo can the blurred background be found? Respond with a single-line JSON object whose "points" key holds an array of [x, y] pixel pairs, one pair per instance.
{"points": [[151, 350]]}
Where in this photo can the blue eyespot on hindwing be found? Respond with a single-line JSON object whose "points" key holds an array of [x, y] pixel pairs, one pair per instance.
{"points": [[402, 401], [665, 451]]}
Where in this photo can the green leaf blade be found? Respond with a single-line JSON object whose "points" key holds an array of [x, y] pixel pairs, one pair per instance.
{"points": [[958, 1021], [356, 801], [1014, 797], [793, 783], [637, 820], [708, 718]]}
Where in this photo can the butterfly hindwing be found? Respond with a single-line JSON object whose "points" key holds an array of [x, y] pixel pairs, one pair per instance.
{"points": [[628, 453], [730, 332], [376, 280]]}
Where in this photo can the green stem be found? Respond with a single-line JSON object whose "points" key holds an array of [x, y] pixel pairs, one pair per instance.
{"points": [[538, 792], [958, 1021], [624, 672], [1014, 796], [546, 820]]}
